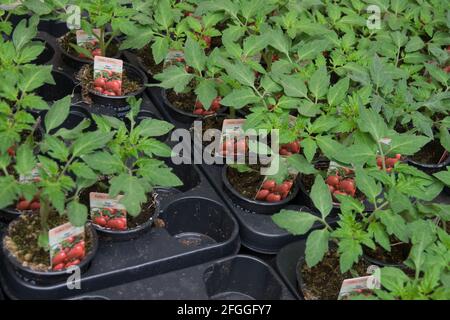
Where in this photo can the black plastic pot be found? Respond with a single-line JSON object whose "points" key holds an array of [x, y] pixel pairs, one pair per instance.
{"points": [[55, 28], [47, 55], [430, 168], [76, 62], [9, 214], [256, 206], [76, 115], [40, 277], [287, 261], [234, 278], [130, 234], [141, 65], [177, 114], [120, 102], [53, 92]]}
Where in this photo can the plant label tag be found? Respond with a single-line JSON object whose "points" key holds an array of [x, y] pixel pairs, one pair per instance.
{"points": [[67, 246], [111, 71], [358, 286], [107, 212], [233, 140], [34, 176], [88, 41], [386, 141], [341, 170], [173, 57]]}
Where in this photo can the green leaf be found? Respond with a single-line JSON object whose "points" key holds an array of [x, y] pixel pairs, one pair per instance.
{"points": [[160, 49], [56, 148], [33, 77], [293, 85], [254, 45], [57, 114], [91, 141], [154, 147], [206, 92], [104, 162], [300, 164], [407, 144], [319, 83], [23, 35], [309, 148], [25, 160], [77, 213], [338, 92], [367, 184], [162, 177], [194, 55], [34, 102], [240, 73], [414, 44], [445, 138], [394, 224], [444, 176], [279, 41], [175, 78], [239, 98], [9, 191], [81, 170], [139, 39], [134, 195], [349, 252], [154, 128], [437, 73], [331, 148], [296, 222], [316, 246], [321, 197], [357, 154], [380, 235], [371, 122], [312, 49]]}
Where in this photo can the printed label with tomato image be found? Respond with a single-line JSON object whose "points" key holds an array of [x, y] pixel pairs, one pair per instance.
{"points": [[341, 181], [89, 42], [358, 286], [173, 57], [233, 140], [34, 176], [108, 213], [273, 192], [67, 246], [108, 76]]}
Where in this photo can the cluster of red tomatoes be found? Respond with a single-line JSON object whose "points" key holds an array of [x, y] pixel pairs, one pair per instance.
{"points": [[111, 218], [24, 204], [93, 48], [201, 111], [341, 185], [234, 147], [71, 253], [206, 39], [273, 192], [290, 148], [108, 85], [389, 162]]}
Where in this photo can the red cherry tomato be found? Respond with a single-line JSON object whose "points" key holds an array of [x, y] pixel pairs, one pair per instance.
{"points": [[348, 186], [23, 205], [285, 152], [112, 86], [72, 263], [398, 156], [59, 258], [338, 192], [116, 224], [11, 152], [269, 185], [331, 188], [262, 194], [295, 147], [101, 221], [273, 197], [282, 188], [390, 162], [100, 82], [198, 105], [76, 252], [35, 206], [333, 181], [58, 267]]}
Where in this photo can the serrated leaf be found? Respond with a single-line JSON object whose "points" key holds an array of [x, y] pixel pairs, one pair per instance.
{"points": [[296, 222], [206, 92], [300, 164], [316, 246], [194, 55], [77, 213], [57, 114], [240, 98], [319, 82], [154, 128], [338, 92], [103, 162], [321, 196]]}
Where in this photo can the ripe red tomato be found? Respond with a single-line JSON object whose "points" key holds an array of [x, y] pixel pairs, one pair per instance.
{"points": [[398, 156], [331, 188], [275, 57], [116, 224], [59, 258], [333, 181], [348, 186], [198, 112], [101, 221], [285, 152], [100, 82], [179, 59], [390, 162], [76, 252], [11, 152], [269, 185], [338, 192], [282, 188], [72, 263], [23, 205], [379, 162], [273, 197], [112, 86], [207, 40], [36, 205], [58, 267], [262, 194], [208, 112], [295, 147], [198, 105]]}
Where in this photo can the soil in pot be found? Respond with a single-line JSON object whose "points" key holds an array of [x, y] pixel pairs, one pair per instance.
{"points": [[71, 38], [146, 58], [324, 280], [22, 241], [398, 254], [148, 209], [86, 77], [246, 183], [431, 153], [182, 101]]}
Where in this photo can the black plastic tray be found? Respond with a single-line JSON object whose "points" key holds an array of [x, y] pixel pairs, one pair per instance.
{"points": [[198, 228], [235, 278], [286, 264], [257, 231]]}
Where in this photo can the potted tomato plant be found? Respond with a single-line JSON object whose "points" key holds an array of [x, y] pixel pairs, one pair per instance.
{"points": [[54, 175], [131, 177]]}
